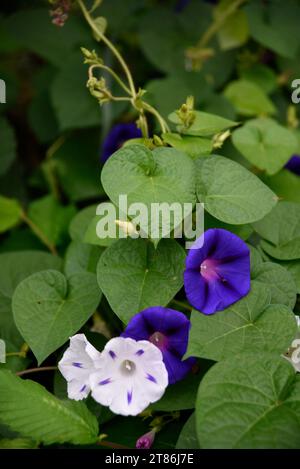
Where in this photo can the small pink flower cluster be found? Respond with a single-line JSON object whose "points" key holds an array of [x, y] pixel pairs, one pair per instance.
{"points": [[60, 12]]}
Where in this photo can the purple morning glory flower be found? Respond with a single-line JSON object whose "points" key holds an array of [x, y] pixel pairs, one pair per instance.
{"points": [[118, 135], [217, 271], [169, 331], [294, 164]]}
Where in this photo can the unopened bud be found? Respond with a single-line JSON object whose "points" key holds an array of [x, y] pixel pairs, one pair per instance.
{"points": [[146, 441], [220, 138], [127, 226]]}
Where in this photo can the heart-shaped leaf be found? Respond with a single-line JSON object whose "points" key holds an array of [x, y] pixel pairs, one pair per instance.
{"points": [[265, 144], [48, 308], [146, 177], [230, 192], [134, 276], [248, 98], [249, 402], [280, 230], [15, 267], [278, 280], [250, 324]]}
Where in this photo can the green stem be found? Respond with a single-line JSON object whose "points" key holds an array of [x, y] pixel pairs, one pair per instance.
{"points": [[36, 230], [218, 23], [164, 126], [110, 444], [36, 370], [15, 354], [110, 45], [112, 73], [181, 304]]}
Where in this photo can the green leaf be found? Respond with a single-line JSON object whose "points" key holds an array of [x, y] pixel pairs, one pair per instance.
{"points": [[109, 231], [78, 175], [51, 218], [266, 144], [8, 145], [17, 443], [29, 409], [188, 438], [280, 230], [285, 184], [166, 94], [249, 402], [262, 76], [179, 396], [250, 324], [2, 351], [248, 98], [230, 192], [48, 308], [193, 146], [101, 24], [133, 275], [255, 257], [148, 177], [204, 125], [70, 81], [52, 43], [275, 26], [81, 257], [294, 268], [243, 231], [235, 30], [80, 222], [279, 281], [15, 267], [10, 213]]}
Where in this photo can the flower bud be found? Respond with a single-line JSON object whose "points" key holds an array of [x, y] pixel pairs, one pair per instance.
{"points": [[146, 441]]}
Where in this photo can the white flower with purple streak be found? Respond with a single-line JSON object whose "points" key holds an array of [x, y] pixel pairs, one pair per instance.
{"points": [[76, 365], [131, 376]]}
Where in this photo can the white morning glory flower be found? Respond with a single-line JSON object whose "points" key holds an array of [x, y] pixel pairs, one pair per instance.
{"points": [[131, 376], [293, 353], [76, 365]]}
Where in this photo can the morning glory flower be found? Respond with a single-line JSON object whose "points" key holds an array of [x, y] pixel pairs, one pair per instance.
{"points": [[294, 164], [169, 331], [76, 365], [118, 135], [132, 375], [217, 272], [293, 353]]}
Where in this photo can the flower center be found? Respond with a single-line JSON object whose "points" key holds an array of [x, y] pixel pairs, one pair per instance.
{"points": [[127, 367], [158, 339], [208, 269]]}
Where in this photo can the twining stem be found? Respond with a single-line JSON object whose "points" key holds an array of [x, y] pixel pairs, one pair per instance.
{"points": [[36, 370], [36, 230], [112, 73], [131, 91], [218, 23], [164, 126], [110, 46]]}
